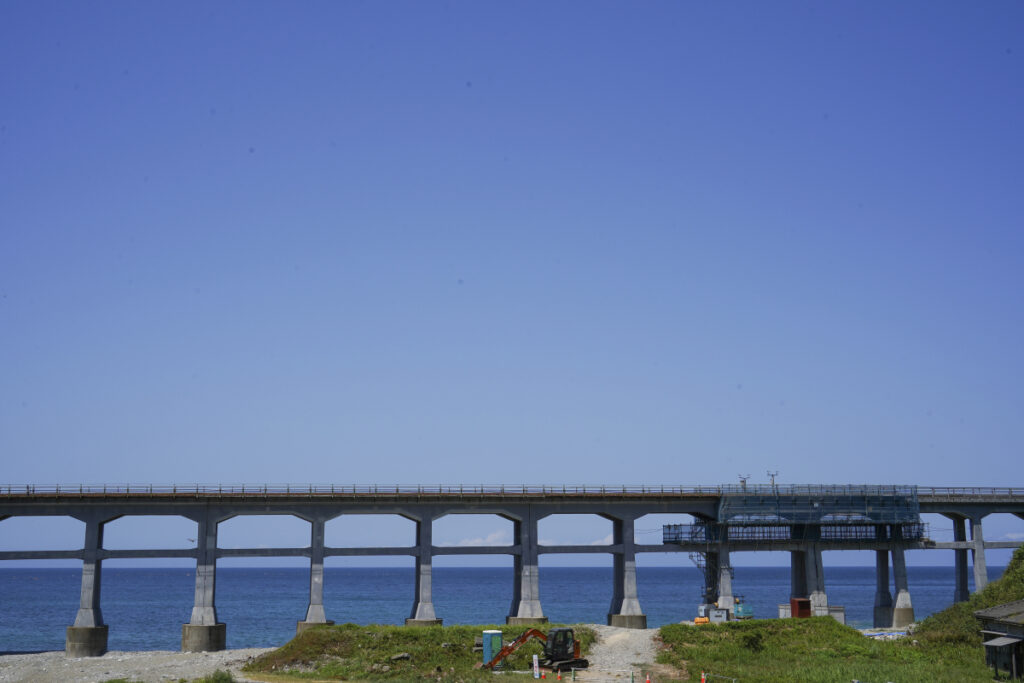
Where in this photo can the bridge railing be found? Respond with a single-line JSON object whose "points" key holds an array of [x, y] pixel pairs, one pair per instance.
{"points": [[965, 491], [36, 490], [113, 490]]}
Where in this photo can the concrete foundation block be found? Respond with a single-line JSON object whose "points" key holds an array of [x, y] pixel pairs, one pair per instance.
{"points": [[902, 617], [306, 625], [525, 621], [628, 620], [423, 622], [883, 617], [86, 641], [838, 613], [198, 638]]}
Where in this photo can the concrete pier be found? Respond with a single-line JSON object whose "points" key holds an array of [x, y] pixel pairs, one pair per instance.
{"points": [[423, 602], [902, 609], [525, 608], [726, 600], [883, 597], [978, 554], [88, 636], [625, 608], [315, 614], [961, 587], [807, 578], [203, 633], [815, 573], [797, 574]]}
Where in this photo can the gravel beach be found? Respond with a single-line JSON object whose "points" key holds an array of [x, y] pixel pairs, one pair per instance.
{"points": [[150, 667]]}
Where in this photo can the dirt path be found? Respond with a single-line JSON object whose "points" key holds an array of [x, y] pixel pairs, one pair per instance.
{"points": [[620, 651]]}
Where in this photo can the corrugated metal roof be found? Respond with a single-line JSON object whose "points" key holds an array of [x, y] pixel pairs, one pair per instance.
{"points": [[1001, 642], [1011, 612]]}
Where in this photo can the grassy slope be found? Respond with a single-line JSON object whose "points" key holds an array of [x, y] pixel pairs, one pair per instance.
{"points": [[821, 650], [350, 652], [958, 625]]}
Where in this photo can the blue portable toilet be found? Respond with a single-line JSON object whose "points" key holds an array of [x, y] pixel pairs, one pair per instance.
{"points": [[492, 644]]}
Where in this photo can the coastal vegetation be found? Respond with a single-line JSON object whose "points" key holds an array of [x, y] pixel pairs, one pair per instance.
{"points": [[351, 652], [944, 647]]}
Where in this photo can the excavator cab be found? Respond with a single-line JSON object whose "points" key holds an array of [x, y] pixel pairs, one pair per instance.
{"points": [[560, 645]]}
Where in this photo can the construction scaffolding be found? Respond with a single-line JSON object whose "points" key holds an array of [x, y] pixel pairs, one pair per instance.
{"points": [[765, 535], [833, 514], [763, 518], [846, 504]]}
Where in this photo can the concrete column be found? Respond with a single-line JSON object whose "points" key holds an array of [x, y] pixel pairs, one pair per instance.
{"points": [[883, 598], [315, 615], [978, 555], [526, 607], [903, 610], [423, 602], [961, 591], [88, 636], [204, 633], [815, 574], [725, 596], [625, 608], [797, 574]]}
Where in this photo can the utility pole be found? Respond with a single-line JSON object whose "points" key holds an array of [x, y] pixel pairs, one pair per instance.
{"points": [[773, 475]]}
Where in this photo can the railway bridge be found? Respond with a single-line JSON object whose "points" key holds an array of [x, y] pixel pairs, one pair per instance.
{"points": [[803, 520]]}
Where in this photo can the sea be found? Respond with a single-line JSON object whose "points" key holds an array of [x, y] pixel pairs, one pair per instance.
{"points": [[145, 607]]}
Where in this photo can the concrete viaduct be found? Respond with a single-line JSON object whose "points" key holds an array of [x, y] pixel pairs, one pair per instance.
{"points": [[208, 506]]}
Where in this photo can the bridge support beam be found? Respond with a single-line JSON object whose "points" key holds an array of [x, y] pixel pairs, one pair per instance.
{"points": [[883, 597], [88, 636], [423, 602], [315, 615], [203, 633], [525, 608], [961, 590], [625, 608], [978, 555]]}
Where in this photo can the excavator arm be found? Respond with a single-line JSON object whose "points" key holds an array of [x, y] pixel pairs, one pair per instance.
{"points": [[513, 646]]}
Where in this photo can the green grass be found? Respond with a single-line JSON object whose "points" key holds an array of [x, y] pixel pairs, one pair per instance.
{"points": [[818, 650], [945, 647], [364, 653]]}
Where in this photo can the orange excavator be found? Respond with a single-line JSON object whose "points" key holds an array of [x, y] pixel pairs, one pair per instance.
{"points": [[561, 650]]}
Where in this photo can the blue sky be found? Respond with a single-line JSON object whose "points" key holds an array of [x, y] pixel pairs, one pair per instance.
{"points": [[512, 243]]}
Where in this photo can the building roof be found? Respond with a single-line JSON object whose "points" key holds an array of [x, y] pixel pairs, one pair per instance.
{"points": [[1010, 612], [1001, 642]]}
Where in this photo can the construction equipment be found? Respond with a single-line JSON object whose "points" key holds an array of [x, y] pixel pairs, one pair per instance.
{"points": [[742, 610], [561, 650]]}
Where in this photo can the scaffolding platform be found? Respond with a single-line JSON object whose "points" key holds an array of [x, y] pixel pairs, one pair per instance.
{"points": [[832, 514]]}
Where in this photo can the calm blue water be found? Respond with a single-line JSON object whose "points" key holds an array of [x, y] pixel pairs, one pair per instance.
{"points": [[146, 607]]}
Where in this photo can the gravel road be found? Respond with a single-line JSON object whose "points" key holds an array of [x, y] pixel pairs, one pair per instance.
{"points": [[619, 651]]}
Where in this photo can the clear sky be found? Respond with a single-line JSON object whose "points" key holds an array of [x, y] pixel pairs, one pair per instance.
{"points": [[481, 242]]}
